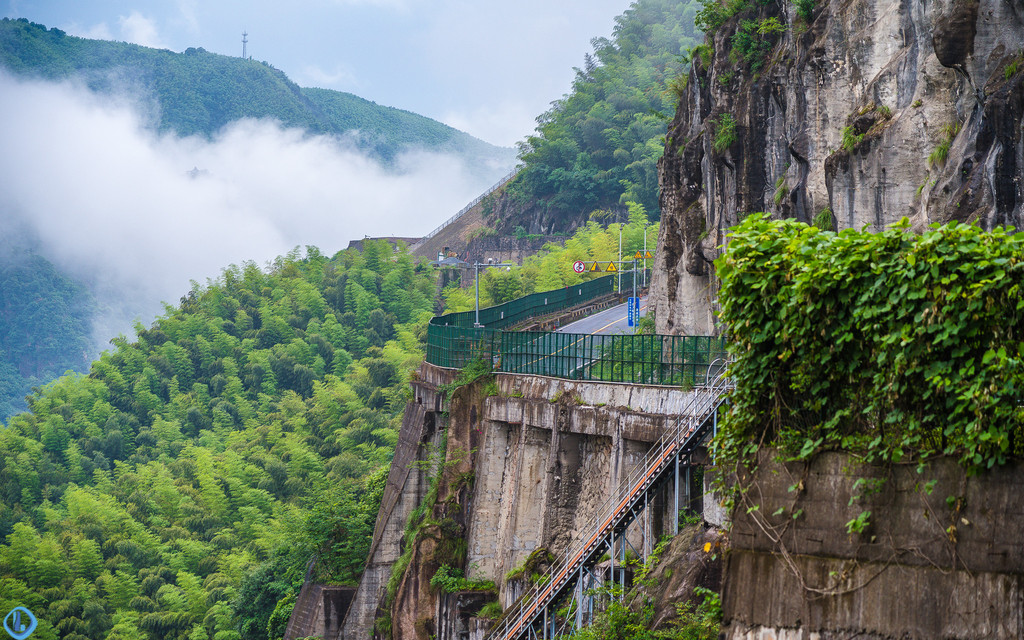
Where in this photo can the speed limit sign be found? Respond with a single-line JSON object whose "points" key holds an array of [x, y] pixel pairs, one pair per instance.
{"points": [[579, 266]]}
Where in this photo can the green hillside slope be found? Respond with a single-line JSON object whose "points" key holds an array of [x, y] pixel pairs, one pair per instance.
{"points": [[45, 323], [598, 147], [387, 130], [199, 92], [179, 489]]}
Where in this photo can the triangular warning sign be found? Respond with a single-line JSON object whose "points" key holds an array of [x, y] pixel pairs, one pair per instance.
{"points": [[594, 267], [648, 255], [639, 255], [611, 267]]}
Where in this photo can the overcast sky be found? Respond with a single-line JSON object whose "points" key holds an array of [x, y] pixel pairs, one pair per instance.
{"points": [[487, 68]]}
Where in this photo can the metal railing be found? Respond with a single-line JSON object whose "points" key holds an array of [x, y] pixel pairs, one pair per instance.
{"points": [[465, 209], [536, 304], [453, 342], [618, 510], [634, 358], [690, 361]]}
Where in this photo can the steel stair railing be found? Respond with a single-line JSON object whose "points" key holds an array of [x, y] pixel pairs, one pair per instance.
{"points": [[617, 509]]}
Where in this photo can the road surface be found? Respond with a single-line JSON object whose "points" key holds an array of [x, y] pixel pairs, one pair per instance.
{"points": [[607, 322], [572, 349]]}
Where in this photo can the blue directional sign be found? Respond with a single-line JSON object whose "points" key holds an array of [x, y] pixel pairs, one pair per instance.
{"points": [[632, 311], [19, 623]]}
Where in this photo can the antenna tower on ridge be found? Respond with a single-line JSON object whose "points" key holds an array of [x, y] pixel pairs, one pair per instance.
{"points": [[244, 42]]}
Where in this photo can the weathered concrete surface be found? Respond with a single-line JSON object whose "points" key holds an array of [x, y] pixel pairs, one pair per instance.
{"points": [[456, 614], [712, 507], [941, 557], [633, 398], [549, 459], [523, 469], [903, 74], [441, 537], [319, 611], [507, 248], [897, 601]]}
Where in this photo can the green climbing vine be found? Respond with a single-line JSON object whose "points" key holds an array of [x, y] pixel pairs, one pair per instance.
{"points": [[891, 346]]}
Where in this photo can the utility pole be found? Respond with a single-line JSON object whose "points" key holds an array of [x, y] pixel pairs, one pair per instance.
{"points": [[620, 258], [476, 267], [245, 41], [645, 256]]}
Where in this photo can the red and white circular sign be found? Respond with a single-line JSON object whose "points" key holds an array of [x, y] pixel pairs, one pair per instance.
{"points": [[579, 266]]}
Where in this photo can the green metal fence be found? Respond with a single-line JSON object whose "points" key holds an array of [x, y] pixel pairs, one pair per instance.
{"points": [[453, 341], [536, 304], [638, 359]]}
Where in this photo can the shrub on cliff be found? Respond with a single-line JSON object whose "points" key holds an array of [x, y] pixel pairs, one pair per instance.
{"points": [[894, 346]]}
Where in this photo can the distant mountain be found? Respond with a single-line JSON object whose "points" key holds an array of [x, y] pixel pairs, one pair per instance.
{"points": [[199, 92], [386, 130], [45, 322]]}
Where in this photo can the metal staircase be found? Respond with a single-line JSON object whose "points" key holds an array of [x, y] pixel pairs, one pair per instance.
{"points": [[531, 617]]}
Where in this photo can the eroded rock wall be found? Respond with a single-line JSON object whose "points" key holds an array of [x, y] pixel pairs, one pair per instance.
{"points": [[904, 78], [938, 555]]}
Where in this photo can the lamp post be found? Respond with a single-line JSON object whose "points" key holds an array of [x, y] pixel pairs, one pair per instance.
{"points": [[645, 256], [476, 278], [620, 259]]}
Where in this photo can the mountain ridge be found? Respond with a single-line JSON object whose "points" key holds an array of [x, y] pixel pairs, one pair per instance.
{"points": [[199, 92]]}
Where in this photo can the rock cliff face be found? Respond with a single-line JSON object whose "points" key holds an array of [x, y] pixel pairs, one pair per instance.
{"points": [[859, 112]]}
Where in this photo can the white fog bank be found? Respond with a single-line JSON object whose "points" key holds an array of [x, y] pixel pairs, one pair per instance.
{"points": [[113, 203]]}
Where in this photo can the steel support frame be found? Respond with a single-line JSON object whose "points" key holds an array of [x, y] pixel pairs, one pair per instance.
{"points": [[639, 510]]}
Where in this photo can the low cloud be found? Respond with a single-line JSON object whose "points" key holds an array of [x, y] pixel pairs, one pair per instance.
{"points": [[505, 124], [139, 29], [188, 15], [117, 206]]}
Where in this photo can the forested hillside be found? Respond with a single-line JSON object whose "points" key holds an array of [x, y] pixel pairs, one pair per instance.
{"points": [[180, 488], [44, 325], [598, 147], [199, 92]]}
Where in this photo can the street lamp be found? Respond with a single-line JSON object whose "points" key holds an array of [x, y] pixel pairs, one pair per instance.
{"points": [[620, 260], [645, 253], [476, 267]]}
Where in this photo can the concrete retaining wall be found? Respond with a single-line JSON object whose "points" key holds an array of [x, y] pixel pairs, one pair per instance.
{"points": [[546, 453], [941, 557], [552, 452], [406, 486], [318, 612]]}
